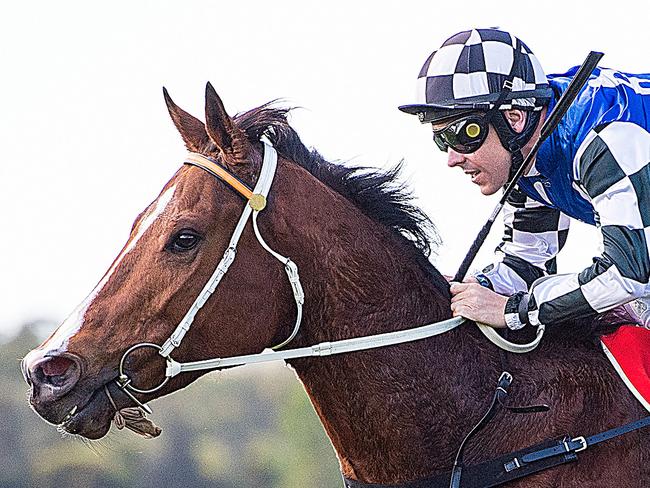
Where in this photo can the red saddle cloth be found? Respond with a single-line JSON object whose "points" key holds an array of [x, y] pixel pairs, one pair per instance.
{"points": [[628, 349]]}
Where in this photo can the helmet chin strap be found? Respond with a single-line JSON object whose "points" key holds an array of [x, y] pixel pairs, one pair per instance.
{"points": [[514, 141], [515, 163]]}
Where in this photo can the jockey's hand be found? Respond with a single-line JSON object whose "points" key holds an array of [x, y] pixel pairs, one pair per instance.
{"points": [[478, 303]]}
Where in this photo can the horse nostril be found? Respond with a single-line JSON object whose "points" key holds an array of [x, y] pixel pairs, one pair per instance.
{"points": [[51, 377], [51, 374], [54, 371]]}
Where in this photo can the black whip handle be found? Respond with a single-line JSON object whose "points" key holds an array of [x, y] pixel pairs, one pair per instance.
{"points": [[476, 245], [550, 124]]}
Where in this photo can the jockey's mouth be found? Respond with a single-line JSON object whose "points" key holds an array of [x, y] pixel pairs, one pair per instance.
{"points": [[473, 174]]}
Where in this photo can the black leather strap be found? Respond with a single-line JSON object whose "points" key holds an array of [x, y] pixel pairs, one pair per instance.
{"points": [[484, 475], [578, 444], [497, 400], [624, 429], [567, 445]]}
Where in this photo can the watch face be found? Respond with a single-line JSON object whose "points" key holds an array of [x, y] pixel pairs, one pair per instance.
{"points": [[483, 281]]}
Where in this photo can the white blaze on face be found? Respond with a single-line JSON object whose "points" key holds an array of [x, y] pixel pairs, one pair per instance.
{"points": [[72, 325]]}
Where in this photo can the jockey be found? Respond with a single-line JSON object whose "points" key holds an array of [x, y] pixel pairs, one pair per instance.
{"points": [[486, 96]]}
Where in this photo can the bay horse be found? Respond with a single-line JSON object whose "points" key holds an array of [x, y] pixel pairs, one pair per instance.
{"points": [[395, 414]]}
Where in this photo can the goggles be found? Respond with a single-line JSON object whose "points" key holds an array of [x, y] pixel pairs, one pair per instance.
{"points": [[464, 135]]}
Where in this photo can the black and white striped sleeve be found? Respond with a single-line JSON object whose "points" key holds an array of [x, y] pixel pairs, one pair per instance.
{"points": [[534, 234], [613, 170]]}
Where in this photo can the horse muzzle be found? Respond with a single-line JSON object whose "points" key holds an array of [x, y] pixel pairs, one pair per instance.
{"points": [[62, 396]]}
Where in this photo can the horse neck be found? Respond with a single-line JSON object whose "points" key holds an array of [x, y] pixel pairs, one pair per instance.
{"points": [[380, 405]]}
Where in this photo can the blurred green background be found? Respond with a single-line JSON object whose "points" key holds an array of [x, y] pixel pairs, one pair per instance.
{"points": [[249, 426]]}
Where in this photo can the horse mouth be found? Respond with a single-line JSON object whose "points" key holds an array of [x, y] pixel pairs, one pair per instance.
{"points": [[91, 419]]}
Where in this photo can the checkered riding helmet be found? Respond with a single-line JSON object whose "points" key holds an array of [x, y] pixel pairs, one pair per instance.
{"points": [[485, 70], [475, 70]]}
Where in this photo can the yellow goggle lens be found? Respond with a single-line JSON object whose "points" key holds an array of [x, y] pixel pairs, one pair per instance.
{"points": [[473, 130]]}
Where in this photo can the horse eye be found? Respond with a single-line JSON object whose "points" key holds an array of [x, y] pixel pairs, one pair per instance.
{"points": [[184, 240]]}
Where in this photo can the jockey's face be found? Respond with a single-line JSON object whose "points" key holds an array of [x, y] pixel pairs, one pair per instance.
{"points": [[489, 165]]}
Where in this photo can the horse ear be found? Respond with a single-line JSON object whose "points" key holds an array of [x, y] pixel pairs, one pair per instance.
{"points": [[192, 130], [220, 127]]}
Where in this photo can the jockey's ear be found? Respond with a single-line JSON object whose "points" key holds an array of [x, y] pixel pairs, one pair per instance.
{"points": [[516, 118]]}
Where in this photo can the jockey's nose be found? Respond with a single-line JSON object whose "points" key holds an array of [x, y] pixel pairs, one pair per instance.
{"points": [[454, 158], [50, 376]]}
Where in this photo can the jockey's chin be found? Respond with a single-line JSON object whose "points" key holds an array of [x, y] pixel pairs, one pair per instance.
{"points": [[490, 182]]}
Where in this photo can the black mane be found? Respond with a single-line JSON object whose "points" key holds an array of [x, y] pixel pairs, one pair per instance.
{"points": [[377, 193]]}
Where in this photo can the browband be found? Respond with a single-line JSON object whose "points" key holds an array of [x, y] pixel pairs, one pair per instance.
{"points": [[196, 159]]}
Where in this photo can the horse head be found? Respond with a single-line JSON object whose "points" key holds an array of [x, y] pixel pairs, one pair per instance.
{"points": [[170, 254]]}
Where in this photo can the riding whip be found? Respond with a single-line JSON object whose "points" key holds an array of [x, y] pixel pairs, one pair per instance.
{"points": [[550, 124]]}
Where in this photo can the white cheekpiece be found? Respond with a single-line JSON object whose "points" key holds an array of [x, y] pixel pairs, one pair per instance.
{"points": [[262, 188]]}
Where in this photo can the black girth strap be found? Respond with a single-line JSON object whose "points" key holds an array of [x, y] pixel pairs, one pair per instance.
{"points": [[580, 443], [520, 464], [488, 474]]}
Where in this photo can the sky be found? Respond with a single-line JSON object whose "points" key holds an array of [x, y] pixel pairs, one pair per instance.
{"points": [[86, 142]]}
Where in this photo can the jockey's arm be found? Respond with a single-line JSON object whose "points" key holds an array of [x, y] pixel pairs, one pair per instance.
{"points": [[534, 234], [612, 166]]}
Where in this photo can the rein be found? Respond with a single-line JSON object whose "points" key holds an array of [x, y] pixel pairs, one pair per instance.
{"points": [[257, 199]]}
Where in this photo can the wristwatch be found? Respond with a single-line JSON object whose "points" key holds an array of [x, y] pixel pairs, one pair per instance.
{"points": [[516, 311]]}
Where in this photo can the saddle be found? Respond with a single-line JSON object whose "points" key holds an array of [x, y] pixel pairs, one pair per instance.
{"points": [[628, 349]]}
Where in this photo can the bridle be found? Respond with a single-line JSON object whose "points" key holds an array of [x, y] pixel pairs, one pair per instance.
{"points": [[256, 202], [256, 199]]}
